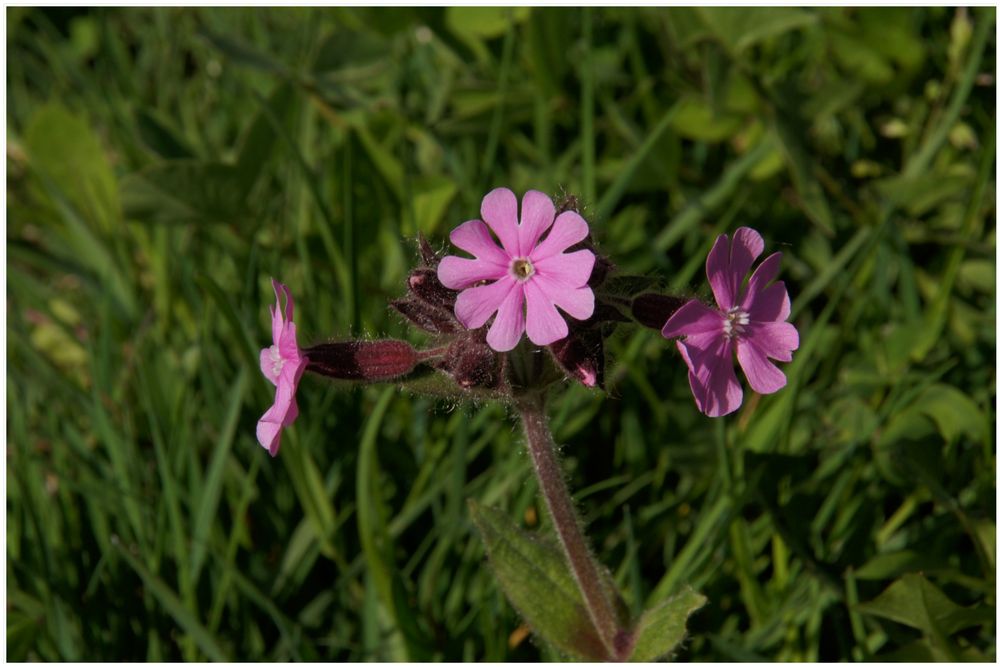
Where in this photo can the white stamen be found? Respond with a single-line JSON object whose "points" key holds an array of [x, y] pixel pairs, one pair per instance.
{"points": [[277, 363], [735, 322]]}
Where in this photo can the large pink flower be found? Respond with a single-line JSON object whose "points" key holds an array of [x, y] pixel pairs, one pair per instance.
{"points": [[283, 364], [523, 270], [750, 320]]}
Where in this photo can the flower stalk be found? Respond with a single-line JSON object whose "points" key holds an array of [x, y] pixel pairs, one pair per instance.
{"points": [[586, 570]]}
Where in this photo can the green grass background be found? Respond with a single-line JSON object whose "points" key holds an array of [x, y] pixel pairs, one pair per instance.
{"points": [[163, 164]]}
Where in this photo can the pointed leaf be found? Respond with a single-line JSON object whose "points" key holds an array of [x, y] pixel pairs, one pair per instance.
{"points": [[662, 628], [539, 584], [916, 602]]}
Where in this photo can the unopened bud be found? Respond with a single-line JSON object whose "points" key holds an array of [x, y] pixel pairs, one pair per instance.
{"points": [[369, 361], [602, 267], [653, 310], [581, 356], [427, 253], [424, 285], [472, 363], [427, 317]]}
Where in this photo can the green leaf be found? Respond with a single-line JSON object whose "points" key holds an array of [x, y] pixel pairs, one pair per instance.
{"points": [[433, 196], [978, 274], [661, 629], [952, 411], [916, 602], [887, 565], [695, 120], [186, 191], [740, 27], [62, 146], [538, 583], [483, 22]]}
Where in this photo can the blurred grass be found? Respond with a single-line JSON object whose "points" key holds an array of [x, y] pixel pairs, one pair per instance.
{"points": [[163, 163]]}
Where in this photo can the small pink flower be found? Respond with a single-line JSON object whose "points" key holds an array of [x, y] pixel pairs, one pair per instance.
{"points": [[750, 321], [283, 364], [524, 270]]}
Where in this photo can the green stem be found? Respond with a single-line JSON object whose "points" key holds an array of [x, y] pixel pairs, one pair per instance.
{"points": [[585, 568]]}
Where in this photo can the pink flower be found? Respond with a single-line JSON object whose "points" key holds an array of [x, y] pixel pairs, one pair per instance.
{"points": [[283, 364], [524, 270], [749, 320]]}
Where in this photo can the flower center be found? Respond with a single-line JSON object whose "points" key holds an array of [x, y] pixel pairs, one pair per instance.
{"points": [[735, 322], [277, 363], [522, 268]]}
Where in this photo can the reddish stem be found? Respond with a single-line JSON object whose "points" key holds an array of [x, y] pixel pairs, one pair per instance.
{"points": [[560, 504]]}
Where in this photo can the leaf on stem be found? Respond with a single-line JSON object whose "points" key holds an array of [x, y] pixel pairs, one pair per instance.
{"points": [[538, 582], [662, 628]]}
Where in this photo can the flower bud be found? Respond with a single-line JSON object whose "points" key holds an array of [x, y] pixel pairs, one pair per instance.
{"points": [[424, 284], [602, 267], [653, 310], [472, 363], [427, 253], [581, 355], [368, 361], [429, 318]]}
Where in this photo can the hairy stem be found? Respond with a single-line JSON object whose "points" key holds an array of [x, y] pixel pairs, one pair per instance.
{"points": [[560, 505]]}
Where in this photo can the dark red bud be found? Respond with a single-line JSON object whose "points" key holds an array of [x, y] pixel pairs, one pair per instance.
{"points": [[653, 310], [424, 285], [602, 267], [472, 364], [568, 202], [604, 312], [581, 356], [370, 361], [427, 253], [427, 317]]}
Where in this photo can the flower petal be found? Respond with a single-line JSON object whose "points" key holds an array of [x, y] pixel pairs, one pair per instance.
{"points": [[474, 238], [771, 304], [477, 304], [281, 414], [728, 264], [289, 302], [763, 376], [537, 214], [568, 229], [269, 433], [499, 210], [747, 246], [288, 346], [571, 269], [459, 273], [762, 275], [507, 328], [268, 357], [544, 323], [717, 269], [710, 373], [775, 339], [693, 317], [578, 302]]}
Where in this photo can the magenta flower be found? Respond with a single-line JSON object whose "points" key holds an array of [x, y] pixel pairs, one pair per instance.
{"points": [[283, 364], [749, 320], [525, 270]]}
